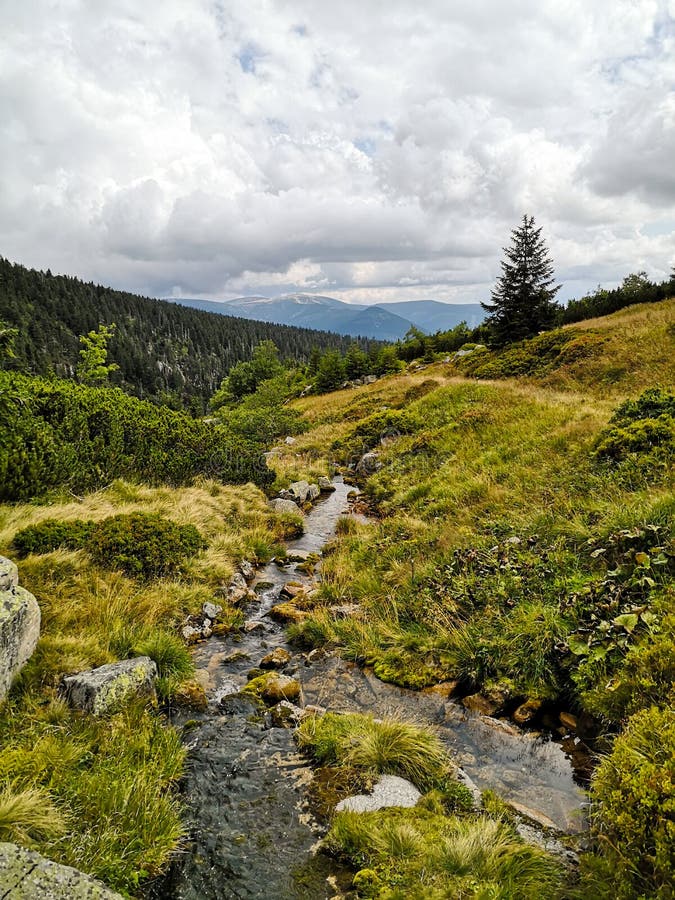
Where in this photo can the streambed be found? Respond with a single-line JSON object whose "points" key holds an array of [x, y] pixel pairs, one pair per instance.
{"points": [[252, 834]]}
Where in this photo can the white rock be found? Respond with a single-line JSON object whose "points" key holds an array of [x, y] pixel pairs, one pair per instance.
{"points": [[19, 627], [390, 790]]}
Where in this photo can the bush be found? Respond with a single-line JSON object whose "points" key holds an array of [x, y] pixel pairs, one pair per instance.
{"points": [[50, 535], [634, 795], [56, 434], [144, 545]]}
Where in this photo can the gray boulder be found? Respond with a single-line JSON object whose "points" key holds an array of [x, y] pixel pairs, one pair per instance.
{"points": [[9, 574], [325, 484], [313, 492], [299, 490], [390, 790], [106, 688], [284, 506], [25, 875], [369, 464], [19, 625], [211, 610], [369, 379]]}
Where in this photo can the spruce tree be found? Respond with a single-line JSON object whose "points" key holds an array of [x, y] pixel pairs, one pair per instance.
{"points": [[523, 301]]}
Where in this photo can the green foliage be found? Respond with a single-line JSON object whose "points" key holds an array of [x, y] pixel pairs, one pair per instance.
{"points": [[331, 371], [245, 377], [28, 815], [57, 434], [633, 792], [651, 404], [387, 747], [423, 855], [50, 534], [523, 299], [143, 545], [264, 415], [92, 367], [167, 352]]}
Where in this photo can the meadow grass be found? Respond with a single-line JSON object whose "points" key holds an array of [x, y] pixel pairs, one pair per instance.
{"points": [[108, 787]]}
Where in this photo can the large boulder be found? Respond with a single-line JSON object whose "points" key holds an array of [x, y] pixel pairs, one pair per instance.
{"points": [[19, 624], [299, 490], [25, 875], [280, 505], [107, 688]]}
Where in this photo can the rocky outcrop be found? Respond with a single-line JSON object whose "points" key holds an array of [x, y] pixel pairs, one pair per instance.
{"points": [[19, 624], [25, 875], [105, 689]]}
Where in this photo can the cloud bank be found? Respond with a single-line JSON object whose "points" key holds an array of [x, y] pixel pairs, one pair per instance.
{"points": [[372, 151]]}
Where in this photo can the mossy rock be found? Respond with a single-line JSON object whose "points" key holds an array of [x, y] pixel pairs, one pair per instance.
{"points": [[272, 688]]}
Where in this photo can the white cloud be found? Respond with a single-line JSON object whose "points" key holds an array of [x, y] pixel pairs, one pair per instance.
{"points": [[374, 151]]}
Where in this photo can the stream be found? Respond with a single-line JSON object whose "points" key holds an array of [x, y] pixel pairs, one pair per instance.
{"points": [[251, 832]]}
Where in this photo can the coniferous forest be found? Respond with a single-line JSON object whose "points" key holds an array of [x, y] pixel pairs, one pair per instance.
{"points": [[165, 352]]}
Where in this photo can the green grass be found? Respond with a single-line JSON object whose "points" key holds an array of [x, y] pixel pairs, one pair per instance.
{"points": [[110, 786]]}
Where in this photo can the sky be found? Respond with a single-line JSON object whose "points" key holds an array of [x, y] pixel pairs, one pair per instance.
{"points": [[366, 150]]}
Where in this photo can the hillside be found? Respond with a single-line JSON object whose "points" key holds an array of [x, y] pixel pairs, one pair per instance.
{"points": [[164, 351], [522, 555], [384, 321]]}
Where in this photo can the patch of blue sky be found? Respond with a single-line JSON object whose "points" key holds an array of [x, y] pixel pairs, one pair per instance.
{"points": [[247, 57], [366, 145]]}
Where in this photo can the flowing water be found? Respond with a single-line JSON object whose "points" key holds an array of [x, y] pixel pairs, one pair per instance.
{"points": [[251, 832]]}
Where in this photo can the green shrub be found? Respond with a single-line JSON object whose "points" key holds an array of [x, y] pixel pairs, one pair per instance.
{"points": [[50, 535], [642, 436], [633, 792], [57, 433], [143, 545], [651, 404]]}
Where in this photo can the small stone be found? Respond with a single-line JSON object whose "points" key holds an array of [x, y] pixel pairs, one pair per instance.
{"points": [[514, 539], [247, 569], [191, 634], [325, 484], [286, 714], [369, 464], [287, 612], [478, 703], [289, 441], [211, 610], [277, 659], [526, 712], [292, 589], [106, 688], [568, 720], [250, 627], [369, 379]]}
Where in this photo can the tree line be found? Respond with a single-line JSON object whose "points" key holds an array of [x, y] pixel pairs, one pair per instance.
{"points": [[159, 351]]}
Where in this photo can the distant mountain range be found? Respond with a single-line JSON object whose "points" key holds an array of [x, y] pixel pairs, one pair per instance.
{"points": [[385, 321]]}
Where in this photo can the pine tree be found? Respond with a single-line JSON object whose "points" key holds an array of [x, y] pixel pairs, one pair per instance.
{"points": [[523, 301]]}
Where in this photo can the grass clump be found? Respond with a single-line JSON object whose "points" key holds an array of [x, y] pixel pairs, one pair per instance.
{"points": [[28, 815], [420, 854], [384, 747]]}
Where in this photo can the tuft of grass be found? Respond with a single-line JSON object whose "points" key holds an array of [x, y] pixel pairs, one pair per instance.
{"points": [[385, 747], [29, 815]]}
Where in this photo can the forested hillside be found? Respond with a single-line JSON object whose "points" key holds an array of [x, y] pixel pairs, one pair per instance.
{"points": [[164, 351]]}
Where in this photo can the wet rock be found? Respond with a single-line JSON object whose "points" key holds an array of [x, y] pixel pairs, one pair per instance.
{"points": [[106, 688], [25, 875], [568, 721], [286, 714], [19, 625], [292, 589], [279, 505], [325, 484], [272, 688], [250, 627], [211, 610], [445, 689], [247, 569], [526, 712], [237, 589], [191, 633], [390, 790], [287, 613], [534, 815], [277, 659], [369, 464], [481, 704]]}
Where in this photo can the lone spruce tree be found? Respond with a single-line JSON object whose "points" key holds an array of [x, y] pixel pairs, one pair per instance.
{"points": [[523, 301]]}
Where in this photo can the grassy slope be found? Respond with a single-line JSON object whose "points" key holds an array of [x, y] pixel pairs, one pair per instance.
{"points": [[443, 592], [96, 794]]}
